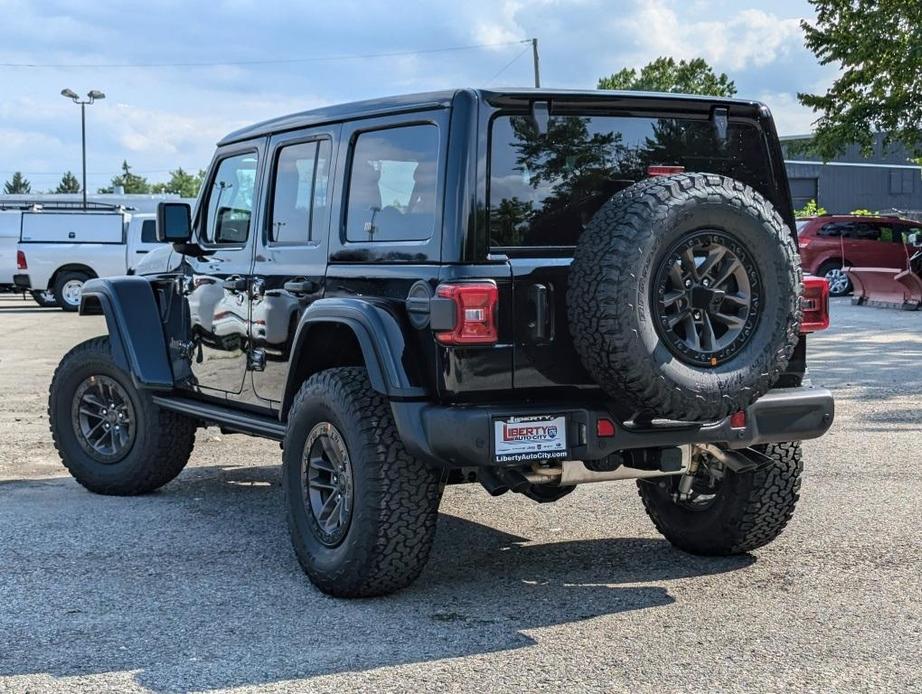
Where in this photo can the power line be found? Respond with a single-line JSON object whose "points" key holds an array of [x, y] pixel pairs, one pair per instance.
{"points": [[278, 61], [509, 64], [88, 173]]}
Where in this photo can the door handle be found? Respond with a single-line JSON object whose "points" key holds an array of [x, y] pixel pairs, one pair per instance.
{"points": [[541, 328], [235, 284], [300, 286], [140, 252]]}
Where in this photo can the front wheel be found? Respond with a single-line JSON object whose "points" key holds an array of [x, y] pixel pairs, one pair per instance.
{"points": [[111, 436], [361, 510], [726, 512]]}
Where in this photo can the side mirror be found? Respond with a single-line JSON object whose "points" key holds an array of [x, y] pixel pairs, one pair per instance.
{"points": [[914, 239], [174, 222]]}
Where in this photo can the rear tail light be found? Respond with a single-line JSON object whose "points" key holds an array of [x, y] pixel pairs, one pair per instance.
{"points": [[815, 304], [803, 243], [21, 261], [475, 313], [664, 170]]}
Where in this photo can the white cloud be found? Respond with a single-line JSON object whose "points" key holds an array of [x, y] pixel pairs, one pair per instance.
{"points": [[503, 28], [748, 38], [791, 118]]}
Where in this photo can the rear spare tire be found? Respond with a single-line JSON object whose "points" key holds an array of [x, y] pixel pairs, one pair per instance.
{"points": [[684, 297]]}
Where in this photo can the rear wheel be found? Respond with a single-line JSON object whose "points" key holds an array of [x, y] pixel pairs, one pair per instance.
{"points": [[112, 437], [839, 284], [726, 512], [44, 298], [68, 286], [361, 511]]}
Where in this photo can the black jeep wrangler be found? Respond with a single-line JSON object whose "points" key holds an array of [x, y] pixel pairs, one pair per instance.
{"points": [[529, 289]]}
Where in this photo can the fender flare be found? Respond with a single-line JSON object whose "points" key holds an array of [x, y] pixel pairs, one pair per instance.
{"points": [[380, 336], [135, 331]]}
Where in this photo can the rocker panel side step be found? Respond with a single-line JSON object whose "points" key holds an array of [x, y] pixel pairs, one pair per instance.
{"points": [[225, 417]]}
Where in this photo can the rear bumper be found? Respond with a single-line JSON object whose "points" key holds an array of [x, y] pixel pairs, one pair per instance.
{"points": [[22, 281], [461, 436]]}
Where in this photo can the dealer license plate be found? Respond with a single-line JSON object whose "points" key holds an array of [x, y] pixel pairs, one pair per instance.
{"points": [[524, 439]]}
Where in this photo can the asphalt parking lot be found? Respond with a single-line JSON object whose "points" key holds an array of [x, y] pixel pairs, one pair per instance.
{"points": [[196, 587]]}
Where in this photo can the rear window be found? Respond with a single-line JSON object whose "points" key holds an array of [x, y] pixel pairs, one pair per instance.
{"points": [[544, 187], [801, 225]]}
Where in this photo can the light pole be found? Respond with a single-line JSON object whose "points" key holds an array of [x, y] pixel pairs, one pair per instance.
{"points": [[94, 95]]}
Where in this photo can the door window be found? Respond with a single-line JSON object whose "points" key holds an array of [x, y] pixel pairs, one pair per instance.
{"points": [[392, 185], [148, 231], [857, 231], [299, 199], [230, 200]]}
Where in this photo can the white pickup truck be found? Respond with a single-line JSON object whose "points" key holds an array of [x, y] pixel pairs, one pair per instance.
{"points": [[9, 237], [60, 249]]}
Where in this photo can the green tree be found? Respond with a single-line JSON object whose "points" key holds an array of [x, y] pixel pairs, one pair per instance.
{"points": [[17, 184], [181, 183], [68, 184], [130, 183], [878, 47], [666, 75], [811, 209]]}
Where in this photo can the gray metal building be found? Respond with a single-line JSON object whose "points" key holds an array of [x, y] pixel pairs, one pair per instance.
{"points": [[887, 181]]}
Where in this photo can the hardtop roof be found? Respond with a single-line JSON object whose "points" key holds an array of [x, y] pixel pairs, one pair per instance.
{"points": [[443, 99]]}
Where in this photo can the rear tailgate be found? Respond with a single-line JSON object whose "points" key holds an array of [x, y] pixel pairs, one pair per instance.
{"points": [[545, 187], [9, 235]]}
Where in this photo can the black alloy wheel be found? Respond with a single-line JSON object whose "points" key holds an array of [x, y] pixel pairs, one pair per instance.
{"points": [[707, 294], [103, 419], [327, 483]]}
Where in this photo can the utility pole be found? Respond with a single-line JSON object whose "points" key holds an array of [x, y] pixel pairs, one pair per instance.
{"points": [[534, 55]]}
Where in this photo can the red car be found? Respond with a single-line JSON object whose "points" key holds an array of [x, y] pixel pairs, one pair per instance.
{"points": [[830, 242]]}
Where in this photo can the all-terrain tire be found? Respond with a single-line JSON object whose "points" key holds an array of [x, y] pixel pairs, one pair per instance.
{"points": [[614, 319], [751, 508], [162, 440], [395, 497], [61, 285]]}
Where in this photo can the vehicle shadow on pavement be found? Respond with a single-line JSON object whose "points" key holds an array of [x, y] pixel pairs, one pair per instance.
{"points": [[196, 587]]}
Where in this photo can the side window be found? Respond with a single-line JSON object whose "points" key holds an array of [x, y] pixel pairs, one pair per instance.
{"points": [[299, 200], [149, 231], [858, 231], [902, 233], [867, 232], [889, 234], [392, 185], [230, 200], [835, 230]]}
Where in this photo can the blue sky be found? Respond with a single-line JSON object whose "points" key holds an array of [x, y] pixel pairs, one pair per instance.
{"points": [[162, 117]]}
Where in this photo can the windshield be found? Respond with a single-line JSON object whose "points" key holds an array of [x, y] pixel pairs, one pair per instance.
{"points": [[545, 187]]}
